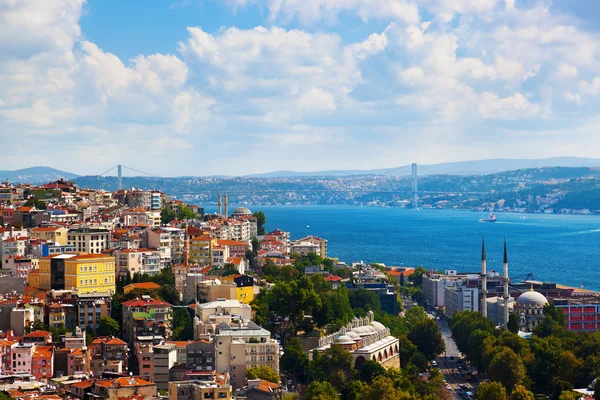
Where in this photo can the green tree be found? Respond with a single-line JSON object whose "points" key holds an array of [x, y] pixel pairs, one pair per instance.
{"points": [[419, 360], [335, 363], [108, 326], [294, 360], [383, 388], [569, 395], [544, 363], [427, 337], [597, 389], [416, 277], [261, 220], [559, 387], [491, 391], [521, 393], [370, 370], [169, 294], [507, 368], [89, 338], [513, 323], [36, 325], [183, 328], [415, 314], [262, 372], [363, 299], [406, 350], [320, 391]]}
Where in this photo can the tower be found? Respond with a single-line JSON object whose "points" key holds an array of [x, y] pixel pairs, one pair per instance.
{"points": [[483, 280], [414, 186], [120, 176], [219, 204], [505, 295], [226, 206]]}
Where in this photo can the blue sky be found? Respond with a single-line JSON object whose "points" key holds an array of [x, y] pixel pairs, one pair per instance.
{"points": [[200, 87]]}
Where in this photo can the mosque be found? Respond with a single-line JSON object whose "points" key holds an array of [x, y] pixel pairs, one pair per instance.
{"points": [[529, 306]]}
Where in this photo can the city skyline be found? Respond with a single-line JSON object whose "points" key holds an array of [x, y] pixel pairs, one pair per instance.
{"points": [[247, 86]]}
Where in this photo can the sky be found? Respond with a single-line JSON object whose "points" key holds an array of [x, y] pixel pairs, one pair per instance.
{"points": [[233, 87]]}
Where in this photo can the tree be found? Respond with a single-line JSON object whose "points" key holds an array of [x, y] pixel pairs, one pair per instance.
{"points": [[229, 269], [183, 328], [427, 337], [335, 363], [169, 294], [491, 391], [507, 368], [108, 326], [89, 338], [559, 387], [569, 395], [419, 360], [383, 388], [370, 370], [513, 323], [261, 220], [415, 314], [320, 391], [262, 372], [416, 277], [36, 325], [521, 393], [294, 360], [366, 300], [597, 389]]}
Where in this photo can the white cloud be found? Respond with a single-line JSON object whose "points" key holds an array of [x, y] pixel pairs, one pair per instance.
{"points": [[493, 107], [566, 71]]}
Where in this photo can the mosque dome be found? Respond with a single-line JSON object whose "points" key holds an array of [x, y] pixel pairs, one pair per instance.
{"points": [[241, 211], [378, 326], [360, 330], [344, 339], [531, 299], [370, 329], [353, 335]]}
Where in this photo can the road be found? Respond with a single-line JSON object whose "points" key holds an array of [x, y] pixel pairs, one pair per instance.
{"points": [[448, 364]]}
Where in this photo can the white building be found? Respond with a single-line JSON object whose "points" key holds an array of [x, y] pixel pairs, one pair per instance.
{"points": [[461, 298], [89, 240]]}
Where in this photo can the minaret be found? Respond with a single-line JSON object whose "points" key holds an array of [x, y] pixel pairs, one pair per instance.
{"points": [[226, 206], [219, 204], [505, 295], [483, 306]]}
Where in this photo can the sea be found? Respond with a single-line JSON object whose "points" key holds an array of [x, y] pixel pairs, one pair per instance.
{"points": [[563, 249]]}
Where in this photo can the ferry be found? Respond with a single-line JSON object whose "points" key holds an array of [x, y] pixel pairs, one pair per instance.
{"points": [[491, 218]]}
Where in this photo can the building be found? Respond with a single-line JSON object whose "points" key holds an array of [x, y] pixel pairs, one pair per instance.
{"points": [[199, 390], [22, 356], [461, 298], [42, 363], [160, 239], [201, 355], [52, 234], [495, 309], [142, 286], [201, 250], [244, 287], [305, 248], [529, 307], [240, 347], [146, 316], [322, 243], [581, 314], [366, 339], [165, 357], [235, 248], [89, 240], [108, 354], [260, 389], [210, 316], [87, 273], [140, 260], [116, 389]]}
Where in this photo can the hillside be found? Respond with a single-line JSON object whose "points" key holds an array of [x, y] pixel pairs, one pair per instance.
{"points": [[35, 175]]}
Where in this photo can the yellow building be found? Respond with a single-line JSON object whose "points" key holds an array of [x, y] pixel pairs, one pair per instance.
{"points": [[88, 273], [201, 250], [50, 234], [244, 291]]}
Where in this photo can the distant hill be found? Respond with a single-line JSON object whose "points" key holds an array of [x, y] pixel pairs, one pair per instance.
{"points": [[476, 167], [35, 175]]}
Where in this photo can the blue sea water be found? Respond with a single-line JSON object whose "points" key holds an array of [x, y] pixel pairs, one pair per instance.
{"points": [[555, 248]]}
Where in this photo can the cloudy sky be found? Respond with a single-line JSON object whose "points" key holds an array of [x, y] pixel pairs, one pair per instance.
{"points": [[198, 87]]}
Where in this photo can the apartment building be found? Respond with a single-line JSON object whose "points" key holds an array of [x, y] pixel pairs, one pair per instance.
{"points": [[89, 240], [88, 273], [141, 260], [52, 234], [146, 316]]}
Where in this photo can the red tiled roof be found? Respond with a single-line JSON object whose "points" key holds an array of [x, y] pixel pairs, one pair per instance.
{"points": [[143, 285], [43, 351], [38, 334], [142, 303], [232, 243], [83, 384], [332, 278]]}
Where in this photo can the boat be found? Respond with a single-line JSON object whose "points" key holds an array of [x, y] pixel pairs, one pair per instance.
{"points": [[521, 217], [490, 218], [308, 226]]}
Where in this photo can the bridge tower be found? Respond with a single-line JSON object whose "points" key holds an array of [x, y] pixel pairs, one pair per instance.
{"points": [[415, 199], [120, 175]]}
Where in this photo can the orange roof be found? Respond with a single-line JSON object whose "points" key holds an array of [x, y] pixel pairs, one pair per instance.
{"points": [[43, 351], [143, 285], [24, 209], [235, 260], [83, 384], [179, 343], [332, 278], [201, 238], [267, 386], [396, 272], [232, 243], [7, 343], [46, 229], [38, 334], [115, 341], [131, 381]]}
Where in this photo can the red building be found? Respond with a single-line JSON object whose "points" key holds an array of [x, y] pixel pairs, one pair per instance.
{"points": [[581, 314], [42, 362]]}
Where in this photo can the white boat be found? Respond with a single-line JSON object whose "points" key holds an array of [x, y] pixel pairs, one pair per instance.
{"points": [[490, 218]]}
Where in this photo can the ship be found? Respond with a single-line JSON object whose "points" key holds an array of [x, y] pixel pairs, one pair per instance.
{"points": [[490, 218]]}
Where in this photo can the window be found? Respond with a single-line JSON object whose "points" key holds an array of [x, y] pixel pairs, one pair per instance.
{"points": [[81, 281]]}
